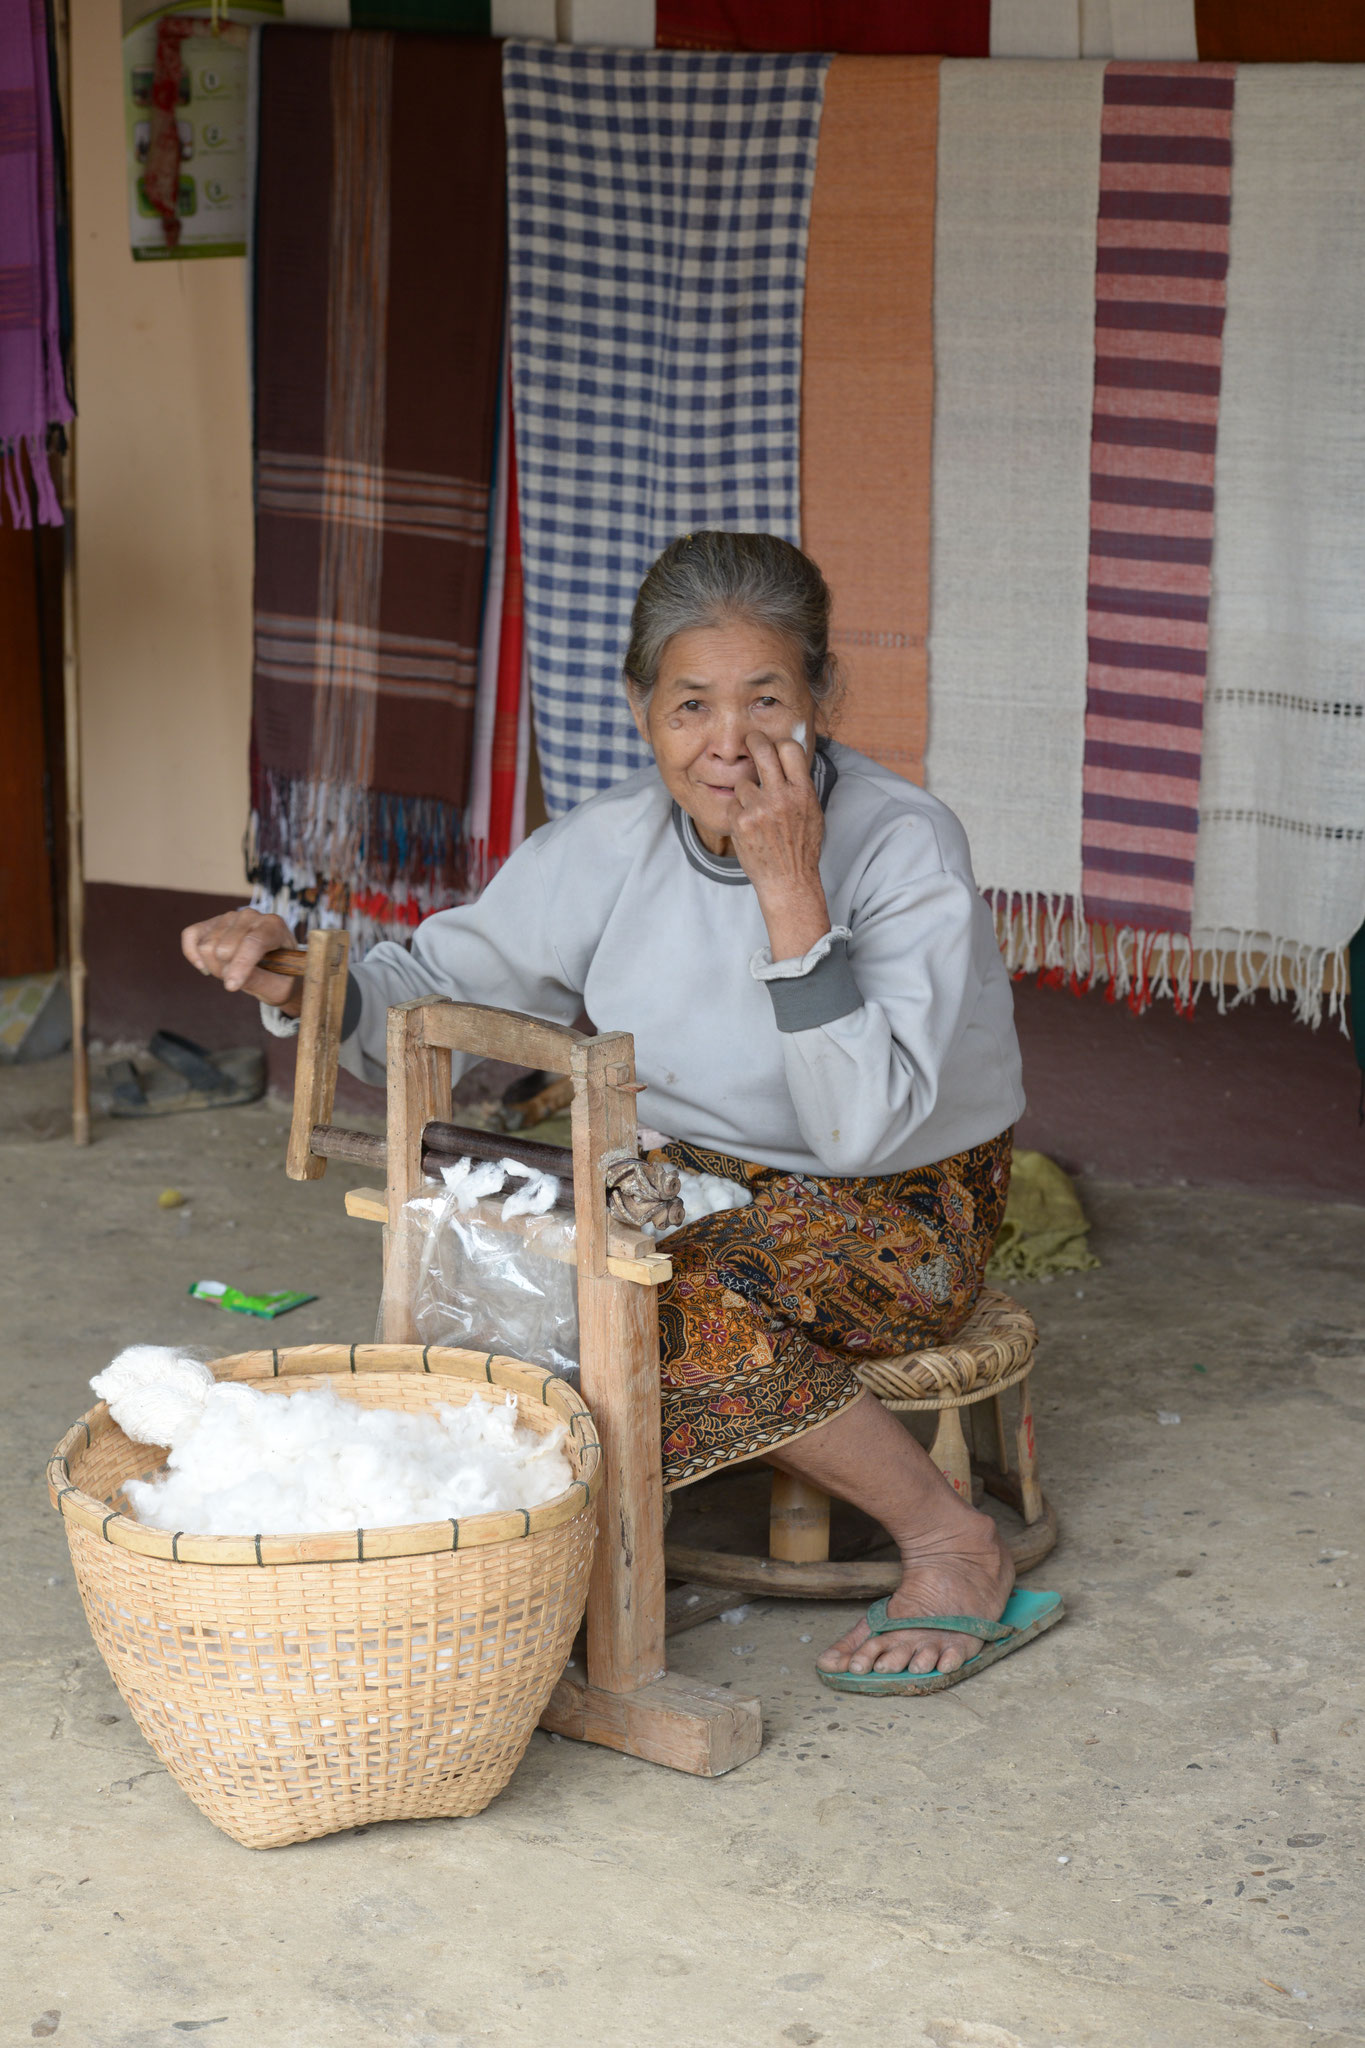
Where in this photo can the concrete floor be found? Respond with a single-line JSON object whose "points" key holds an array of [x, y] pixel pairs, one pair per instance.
{"points": [[1144, 1829]]}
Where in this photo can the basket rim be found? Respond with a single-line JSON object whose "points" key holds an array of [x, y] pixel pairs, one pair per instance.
{"points": [[350, 1546]]}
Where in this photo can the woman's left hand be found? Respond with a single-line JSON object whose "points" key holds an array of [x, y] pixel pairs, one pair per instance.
{"points": [[777, 831]]}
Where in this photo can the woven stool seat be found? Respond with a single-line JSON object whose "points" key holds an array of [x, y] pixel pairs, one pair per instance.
{"points": [[987, 1362], [997, 1339]]}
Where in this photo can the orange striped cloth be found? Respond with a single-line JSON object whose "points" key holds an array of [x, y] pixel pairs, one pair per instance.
{"points": [[867, 392]]}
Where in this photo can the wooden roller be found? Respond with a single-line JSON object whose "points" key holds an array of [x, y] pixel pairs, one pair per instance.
{"points": [[638, 1190]]}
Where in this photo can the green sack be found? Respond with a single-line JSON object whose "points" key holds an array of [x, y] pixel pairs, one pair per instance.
{"points": [[1045, 1230]]}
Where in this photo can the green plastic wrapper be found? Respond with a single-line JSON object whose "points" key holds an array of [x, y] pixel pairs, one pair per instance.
{"points": [[240, 1304]]}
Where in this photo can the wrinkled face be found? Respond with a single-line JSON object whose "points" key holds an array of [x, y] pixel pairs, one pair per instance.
{"points": [[717, 685]]}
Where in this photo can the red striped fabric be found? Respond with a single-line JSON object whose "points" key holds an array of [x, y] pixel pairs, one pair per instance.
{"points": [[502, 789], [1160, 293]]}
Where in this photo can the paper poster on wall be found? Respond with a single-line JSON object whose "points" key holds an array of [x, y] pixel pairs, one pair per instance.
{"points": [[185, 78]]}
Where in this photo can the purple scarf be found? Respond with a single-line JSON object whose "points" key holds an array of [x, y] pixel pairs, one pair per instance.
{"points": [[32, 388]]}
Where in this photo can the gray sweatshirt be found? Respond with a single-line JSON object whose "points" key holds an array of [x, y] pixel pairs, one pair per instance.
{"points": [[889, 1045]]}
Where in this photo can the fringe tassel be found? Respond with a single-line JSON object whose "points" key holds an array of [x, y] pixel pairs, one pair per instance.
{"points": [[331, 855], [16, 494], [16, 497], [1040, 934]]}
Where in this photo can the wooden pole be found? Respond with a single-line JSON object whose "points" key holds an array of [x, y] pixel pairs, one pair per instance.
{"points": [[71, 694], [75, 882]]}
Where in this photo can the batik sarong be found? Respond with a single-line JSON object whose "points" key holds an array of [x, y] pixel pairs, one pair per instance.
{"points": [[772, 1307]]}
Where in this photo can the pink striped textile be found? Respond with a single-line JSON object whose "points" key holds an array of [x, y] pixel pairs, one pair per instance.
{"points": [[1160, 293]]}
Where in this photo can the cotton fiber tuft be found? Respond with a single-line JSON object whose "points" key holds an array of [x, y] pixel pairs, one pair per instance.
{"points": [[707, 1194], [245, 1463], [469, 1183]]}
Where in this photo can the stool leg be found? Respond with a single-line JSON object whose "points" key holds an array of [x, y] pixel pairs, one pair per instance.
{"points": [[1002, 1442], [798, 1521], [949, 1452], [1030, 1493]]}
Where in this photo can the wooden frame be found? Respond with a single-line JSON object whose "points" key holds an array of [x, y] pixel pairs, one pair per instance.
{"points": [[628, 1700]]}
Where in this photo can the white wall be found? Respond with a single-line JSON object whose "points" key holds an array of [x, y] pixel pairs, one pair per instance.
{"points": [[163, 492]]}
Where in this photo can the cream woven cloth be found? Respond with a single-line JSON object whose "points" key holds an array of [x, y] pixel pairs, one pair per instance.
{"points": [[1143, 29], [1280, 865], [1014, 359]]}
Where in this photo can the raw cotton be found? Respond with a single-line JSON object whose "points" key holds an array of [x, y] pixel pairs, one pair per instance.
{"points": [[469, 1181], [1280, 867], [867, 392], [658, 204], [378, 283], [1014, 321], [244, 1463]]}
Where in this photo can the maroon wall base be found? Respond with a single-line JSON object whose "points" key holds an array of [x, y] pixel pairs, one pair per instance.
{"points": [[139, 980], [1249, 1100]]}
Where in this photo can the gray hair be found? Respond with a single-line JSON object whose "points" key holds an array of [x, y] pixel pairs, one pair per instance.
{"points": [[709, 579]]}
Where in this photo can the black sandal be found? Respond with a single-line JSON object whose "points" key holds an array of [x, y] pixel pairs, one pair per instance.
{"points": [[203, 1080]]}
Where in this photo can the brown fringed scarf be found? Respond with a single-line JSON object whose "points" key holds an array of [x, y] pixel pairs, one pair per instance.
{"points": [[379, 262]]}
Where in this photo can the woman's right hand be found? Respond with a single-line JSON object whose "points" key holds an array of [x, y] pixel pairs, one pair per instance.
{"points": [[230, 946]]}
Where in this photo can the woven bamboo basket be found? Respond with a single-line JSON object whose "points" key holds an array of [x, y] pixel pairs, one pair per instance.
{"points": [[295, 1685]]}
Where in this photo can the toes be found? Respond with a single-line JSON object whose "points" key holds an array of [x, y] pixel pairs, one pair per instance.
{"points": [[840, 1656], [923, 1654]]}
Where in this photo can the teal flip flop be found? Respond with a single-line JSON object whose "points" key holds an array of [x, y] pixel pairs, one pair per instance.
{"points": [[1026, 1615]]}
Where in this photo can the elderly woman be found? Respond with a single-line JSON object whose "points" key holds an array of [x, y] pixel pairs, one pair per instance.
{"points": [[820, 1013]]}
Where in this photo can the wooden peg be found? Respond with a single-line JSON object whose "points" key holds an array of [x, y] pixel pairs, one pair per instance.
{"points": [[949, 1452], [798, 1521]]}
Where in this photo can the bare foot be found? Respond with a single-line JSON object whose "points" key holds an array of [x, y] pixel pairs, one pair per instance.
{"points": [[966, 1572]]}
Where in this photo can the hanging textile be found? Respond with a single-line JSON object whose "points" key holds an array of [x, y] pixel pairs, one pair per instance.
{"points": [[378, 295], [867, 391], [424, 17], [1282, 31], [913, 28], [659, 204], [505, 765], [1280, 868], [1160, 293], [1139, 29], [493, 832], [33, 391], [486, 687], [1014, 320]]}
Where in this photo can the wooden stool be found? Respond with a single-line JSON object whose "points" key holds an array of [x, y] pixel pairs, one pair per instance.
{"points": [[991, 1355]]}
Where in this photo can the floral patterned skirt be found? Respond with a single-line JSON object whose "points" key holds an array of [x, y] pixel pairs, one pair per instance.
{"points": [[771, 1306]]}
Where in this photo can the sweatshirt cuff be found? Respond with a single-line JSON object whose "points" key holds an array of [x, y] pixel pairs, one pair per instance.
{"points": [[281, 1026], [814, 990]]}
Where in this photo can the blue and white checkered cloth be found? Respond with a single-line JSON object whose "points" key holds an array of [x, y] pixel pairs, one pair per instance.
{"points": [[658, 203]]}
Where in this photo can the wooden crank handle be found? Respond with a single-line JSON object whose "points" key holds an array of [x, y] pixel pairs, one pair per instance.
{"points": [[290, 960], [323, 969]]}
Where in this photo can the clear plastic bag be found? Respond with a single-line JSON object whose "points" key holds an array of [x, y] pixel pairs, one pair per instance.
{"points": [[511, 1289]]}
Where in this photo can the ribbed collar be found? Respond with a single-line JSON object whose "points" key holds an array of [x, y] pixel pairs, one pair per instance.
{"points": [[724, 867]]}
